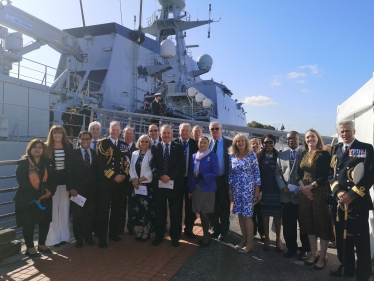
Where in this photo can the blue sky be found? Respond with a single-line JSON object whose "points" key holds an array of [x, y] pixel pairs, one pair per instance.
{"points": [[292, 62]]}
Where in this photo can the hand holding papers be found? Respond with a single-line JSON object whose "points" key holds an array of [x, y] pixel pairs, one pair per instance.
{"points": [[293, 188], [142, 190], [169, 184], [79, 199]]}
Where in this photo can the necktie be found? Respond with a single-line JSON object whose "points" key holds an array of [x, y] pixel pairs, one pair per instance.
{"points": [[215, 147], [95, 144], [346, 149], [184, 144], [293, 155], [86, 158], [166, 158], [154, 142]]}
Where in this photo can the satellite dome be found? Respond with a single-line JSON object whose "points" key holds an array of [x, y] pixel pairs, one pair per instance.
{"points": [[207, 103], [204, 62], [192, 92], [199, 97], [167, 49]]}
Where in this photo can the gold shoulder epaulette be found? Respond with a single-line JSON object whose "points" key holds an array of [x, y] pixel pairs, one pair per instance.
{"points": [[102, 139]]}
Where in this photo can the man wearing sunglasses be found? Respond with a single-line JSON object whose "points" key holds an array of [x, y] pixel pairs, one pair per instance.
{"points": [[154, 134], [220, 219]]}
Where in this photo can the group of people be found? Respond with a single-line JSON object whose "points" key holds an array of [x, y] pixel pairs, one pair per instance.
{"points": [[111, 179]]}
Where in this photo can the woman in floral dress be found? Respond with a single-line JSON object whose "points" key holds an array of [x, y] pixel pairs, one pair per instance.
{"points": [[244, 187]]}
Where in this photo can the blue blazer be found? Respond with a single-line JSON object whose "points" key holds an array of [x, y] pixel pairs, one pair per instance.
{"points": [[209, 169]]}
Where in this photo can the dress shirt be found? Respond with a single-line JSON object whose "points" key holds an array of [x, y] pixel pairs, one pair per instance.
{"points": [[220, 154], [155, 142], [115, 142], [164, 147], [92, 145], [349, 145], [129, 145], [89, 153]]}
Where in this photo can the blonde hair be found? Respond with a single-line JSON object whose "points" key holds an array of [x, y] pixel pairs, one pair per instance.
{"points": [[137, 145], [49, 144], [319, 147], [234, 149]]}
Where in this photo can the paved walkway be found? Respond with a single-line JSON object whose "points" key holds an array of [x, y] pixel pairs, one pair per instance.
{"points": [[133, 260]]}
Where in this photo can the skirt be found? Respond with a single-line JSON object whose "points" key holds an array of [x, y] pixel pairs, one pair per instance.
{"points": [[203, 202], [271, 206]]}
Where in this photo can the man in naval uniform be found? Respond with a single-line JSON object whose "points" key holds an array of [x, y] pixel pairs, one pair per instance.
{"points": [[113, 160], [189, 147], [157, 108], [345, 157]]}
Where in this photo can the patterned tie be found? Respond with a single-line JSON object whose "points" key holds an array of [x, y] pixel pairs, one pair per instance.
{"points": [[154, 142], [166, 158], [86, 158], [95, 144], [184, 145], [215, 147]]}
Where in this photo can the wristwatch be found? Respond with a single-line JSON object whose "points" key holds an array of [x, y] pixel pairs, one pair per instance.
{"points": [[313, 185]]}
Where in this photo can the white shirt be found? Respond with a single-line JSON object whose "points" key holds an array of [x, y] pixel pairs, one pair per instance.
{"points": [[155, 142], [115, 142], [349, 145], [89, 154], [164, 147], [92, 143]]}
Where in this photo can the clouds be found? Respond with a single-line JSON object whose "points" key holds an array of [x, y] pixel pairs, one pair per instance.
{"points": [[294, 75], [259, 101], [313, 68], [276, 82]]}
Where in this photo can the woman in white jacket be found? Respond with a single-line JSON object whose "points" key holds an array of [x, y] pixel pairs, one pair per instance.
{"points": [[142, 212]]}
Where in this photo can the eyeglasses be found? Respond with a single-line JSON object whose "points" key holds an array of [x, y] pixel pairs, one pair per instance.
{"points": [[268, 142], [212, 129], [85, 139], [151, 131], [144, 141]]}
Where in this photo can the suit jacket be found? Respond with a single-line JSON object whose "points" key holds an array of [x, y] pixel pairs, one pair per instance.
{"points": [[176, 164], [132, 149], [145, 170], [83, 180], [285, 175], [344, 165], [156, 108], [192, 149], [226, 144], [113, 160], [209, 169]]}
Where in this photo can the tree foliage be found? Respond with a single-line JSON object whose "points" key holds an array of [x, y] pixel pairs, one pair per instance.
{"points": [[255, 124]]}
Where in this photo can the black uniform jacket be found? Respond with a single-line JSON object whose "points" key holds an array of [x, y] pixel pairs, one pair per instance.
{"points": [[113, 160], [176, 164], [344, 164], [84, 180], [156, 108]]}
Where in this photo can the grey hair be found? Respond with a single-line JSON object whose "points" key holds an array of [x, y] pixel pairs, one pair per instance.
{"points": [[166, 126], [346, 123], [184, 124], [215, 122], [114, 123], [197, 127], [93, 124]]}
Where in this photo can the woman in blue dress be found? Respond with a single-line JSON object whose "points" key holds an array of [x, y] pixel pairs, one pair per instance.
{"points": [[244, 187]]}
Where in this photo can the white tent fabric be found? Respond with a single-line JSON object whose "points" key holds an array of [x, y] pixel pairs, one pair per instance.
{"points": [[359, 108]]}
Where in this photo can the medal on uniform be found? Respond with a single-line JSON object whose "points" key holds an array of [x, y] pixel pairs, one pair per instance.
{"points": [[357, 153]]}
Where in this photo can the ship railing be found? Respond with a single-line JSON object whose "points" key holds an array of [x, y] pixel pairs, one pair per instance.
{"points": [[34, 71], [157, 15]]}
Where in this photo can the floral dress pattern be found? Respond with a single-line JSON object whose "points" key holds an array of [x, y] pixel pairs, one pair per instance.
{"points": [[244, 176]]}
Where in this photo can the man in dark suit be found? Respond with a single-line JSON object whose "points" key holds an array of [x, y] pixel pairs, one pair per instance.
{"points": [[82, 179], [114, 162], [87, 114], [168, 164], [285, 176], [345, 157], [189, 148], [154, 134], [220, 219], [128, 136], [157, 108], [67, 121]]}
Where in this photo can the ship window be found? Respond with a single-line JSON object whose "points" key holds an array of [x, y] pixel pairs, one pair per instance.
{"points": [[96, 78]]}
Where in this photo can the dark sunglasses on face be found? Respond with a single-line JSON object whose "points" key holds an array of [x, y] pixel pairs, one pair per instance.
{"points": [[212, 129], [155, 130], [268, 142]]}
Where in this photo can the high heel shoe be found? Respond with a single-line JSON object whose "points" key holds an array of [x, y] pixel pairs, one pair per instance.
{"points": [[308, 263], [322, 267], [145, 236]]}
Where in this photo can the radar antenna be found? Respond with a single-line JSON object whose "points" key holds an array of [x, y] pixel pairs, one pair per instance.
{"points": [[210, 12]]}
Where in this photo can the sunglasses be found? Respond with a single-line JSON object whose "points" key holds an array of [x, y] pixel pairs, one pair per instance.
{"points": [[268, 142], [212, 129], [155, 130]]}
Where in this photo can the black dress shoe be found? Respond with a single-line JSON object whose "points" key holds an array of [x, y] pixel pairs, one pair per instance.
{"points": [[79, 244], [57, 245], [222, 237], [204, 245], [189, 234], [213, 234], [131, 230], [115, 238], [289, 254], [90, 242], [34, 255], [46, 251], [338, 273], [175, 243], [303, 256], [157, 241], [103, 245], [63, 243]]}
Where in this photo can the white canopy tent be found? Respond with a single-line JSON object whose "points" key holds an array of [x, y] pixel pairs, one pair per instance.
{"points": [[359, 108]]}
